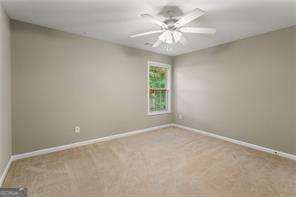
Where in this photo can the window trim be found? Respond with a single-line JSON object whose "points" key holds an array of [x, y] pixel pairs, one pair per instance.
{"points": [[169, 77]]}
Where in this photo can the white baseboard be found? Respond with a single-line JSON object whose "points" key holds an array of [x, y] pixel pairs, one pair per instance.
{"points": [[77, 144], [4, 174], [253, 146]]}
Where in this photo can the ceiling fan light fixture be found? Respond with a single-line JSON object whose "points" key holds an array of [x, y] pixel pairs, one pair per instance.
{"points": [[177, 36], [165, 36], [169, 39]]}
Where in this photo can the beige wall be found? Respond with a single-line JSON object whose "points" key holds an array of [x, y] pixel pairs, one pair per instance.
{"points": [[61, 80], [5, 91], [294, 62], [243, 90]]}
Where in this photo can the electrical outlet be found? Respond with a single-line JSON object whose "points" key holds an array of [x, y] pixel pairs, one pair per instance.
{"points": [[180, 116], [77, 129]]}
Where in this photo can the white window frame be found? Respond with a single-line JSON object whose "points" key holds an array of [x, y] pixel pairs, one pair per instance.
{"points": [[162, 65]]}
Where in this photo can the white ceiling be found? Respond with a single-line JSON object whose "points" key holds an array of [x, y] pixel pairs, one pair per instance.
{"points": [[115, 20]]}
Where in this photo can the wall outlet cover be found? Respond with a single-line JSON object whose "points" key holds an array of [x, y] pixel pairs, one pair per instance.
{"points": [[77, 129], [180, 116]]}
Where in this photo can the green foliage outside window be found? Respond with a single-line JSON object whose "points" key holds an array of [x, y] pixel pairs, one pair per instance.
{"points": [[158, 92], [157, 77]]}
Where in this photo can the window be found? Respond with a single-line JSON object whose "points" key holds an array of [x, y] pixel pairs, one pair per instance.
{"points": [[159, 92]]}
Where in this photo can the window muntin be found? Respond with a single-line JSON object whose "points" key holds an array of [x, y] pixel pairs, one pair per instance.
{"points": [[158, 88]]}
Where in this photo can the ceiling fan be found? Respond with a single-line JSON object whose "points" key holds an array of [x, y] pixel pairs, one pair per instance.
{"points": [[172, 28]]}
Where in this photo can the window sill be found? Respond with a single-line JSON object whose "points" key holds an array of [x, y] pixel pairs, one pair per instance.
{"points": [[158, 113]]}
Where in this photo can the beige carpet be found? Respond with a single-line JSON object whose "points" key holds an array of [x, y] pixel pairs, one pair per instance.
{"points": [[169, 162]]}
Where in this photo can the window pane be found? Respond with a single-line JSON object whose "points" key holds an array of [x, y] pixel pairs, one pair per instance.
{"points": [[158, 100], [158, 77]]}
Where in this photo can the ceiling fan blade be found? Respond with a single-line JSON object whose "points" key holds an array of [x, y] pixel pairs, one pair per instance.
{"points": [[183, 40], [154, 20], [189, 17], [199, 30], [157, 43], [146, 33]]}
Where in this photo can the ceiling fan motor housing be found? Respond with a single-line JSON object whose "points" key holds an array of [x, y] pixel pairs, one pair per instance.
{"points": [[170, 23]]}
